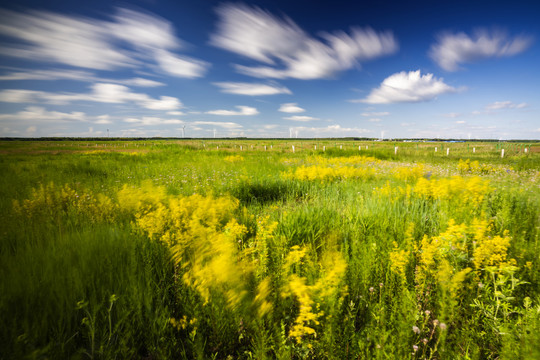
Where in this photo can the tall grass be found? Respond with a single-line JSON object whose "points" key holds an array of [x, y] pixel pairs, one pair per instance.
{"points": [[106, 253]]}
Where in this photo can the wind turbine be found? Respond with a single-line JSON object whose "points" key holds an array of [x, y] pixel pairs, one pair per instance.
{"points": [[183, 131], [214, 133], [290, 133]]}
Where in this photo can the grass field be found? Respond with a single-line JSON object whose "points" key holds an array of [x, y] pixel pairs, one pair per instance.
{"points": [[255, 249]]}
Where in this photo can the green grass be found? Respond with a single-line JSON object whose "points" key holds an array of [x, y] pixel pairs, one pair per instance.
{"points": [[78, 282]]}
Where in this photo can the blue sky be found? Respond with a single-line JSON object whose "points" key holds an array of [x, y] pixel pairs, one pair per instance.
{"points": [[392, 69]]}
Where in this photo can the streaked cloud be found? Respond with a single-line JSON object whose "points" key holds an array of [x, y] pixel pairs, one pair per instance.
{"points": [[38, 114], [288, 51], [101, 92], [251, 89], [226, 125], [93, 44], [76, 76], [452, 50], [380, 113], [500, 105], [407, 87], [151, 121], [291, 108], [243, 111], [452, 115], [329, 131], [301, 118]]}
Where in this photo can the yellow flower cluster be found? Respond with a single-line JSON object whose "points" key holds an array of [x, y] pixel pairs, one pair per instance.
{"points": [[203, 237], [434, 252], [323, 173], [53, 201], [465, 190], [470, 244], [399, 259], [409, 173], [393, 192], [183, 323], [141, 199], [327, 286], [490, 251], [233, 158], [343, 160], [205, 241], [474, 167]]}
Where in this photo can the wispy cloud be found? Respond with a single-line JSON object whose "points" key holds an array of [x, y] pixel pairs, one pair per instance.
{"points": [[375, 120], [407, 87], [301, 118], [75, 75], [451, 50], [226, 125], [380, 113], [500, 105], [152, 121], [452, 115], [101, 92], [288, 51], [251, 89], [243, 111], [291, 108], [330, 131], [93, 44], [38, 114]]}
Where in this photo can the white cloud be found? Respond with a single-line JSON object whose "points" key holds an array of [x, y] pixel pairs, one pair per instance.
{"points": [[181, 66], [101, 92], [19, 96], [452, 115], [330, 131], [375, 120], [140, 82], [103, 119], [461, 122], [251, 89], [164, 103], [77, 76], [300, 118], [288, 51], [382, 113], [72, 41], [152, 121], [244, 111], [93, 44], [40, 114], [499, 105], [291, 108], [227, 125], [175, 113], [407, 87], [451, 50], [144, 30], [31, 130]]}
